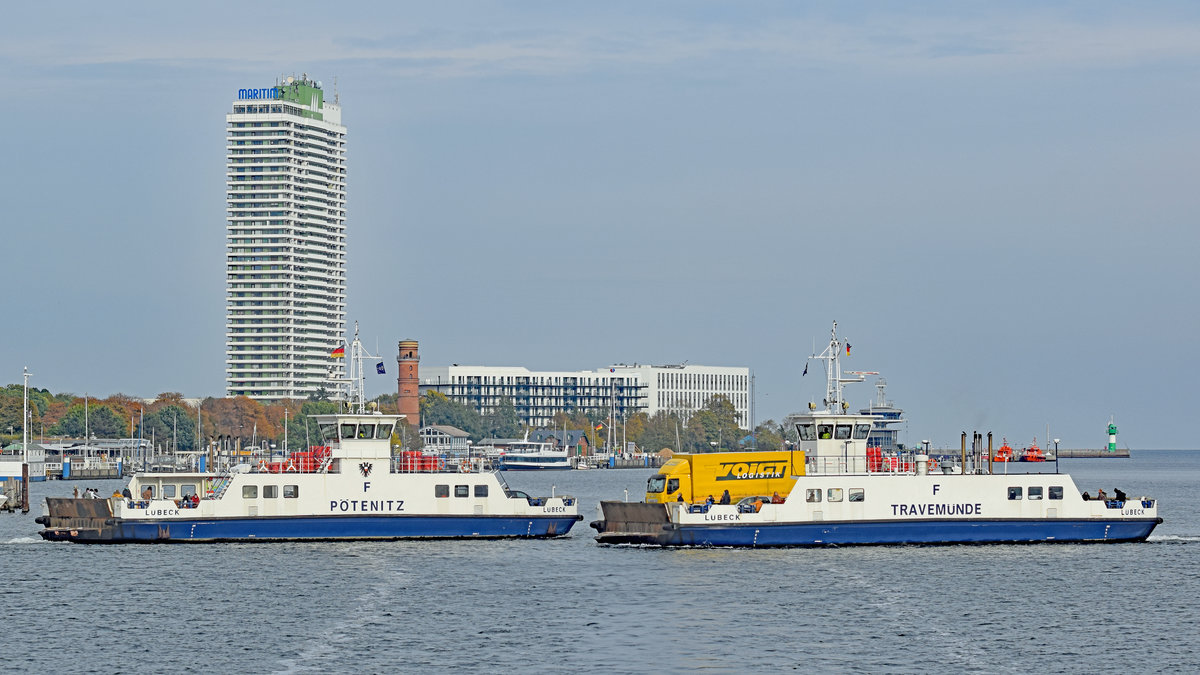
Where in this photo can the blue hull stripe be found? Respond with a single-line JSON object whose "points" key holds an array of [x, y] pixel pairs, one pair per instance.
{"points": [[912, 532], [335, 527]]}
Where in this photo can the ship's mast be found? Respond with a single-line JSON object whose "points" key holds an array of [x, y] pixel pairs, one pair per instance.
{"points": [[833, 372], [355, 380]]}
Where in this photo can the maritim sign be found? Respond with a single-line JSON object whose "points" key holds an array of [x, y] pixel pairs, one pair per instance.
{"points": [[269, 93]]}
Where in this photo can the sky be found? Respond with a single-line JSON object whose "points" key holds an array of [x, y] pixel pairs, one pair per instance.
{"points": [[995, 201]]}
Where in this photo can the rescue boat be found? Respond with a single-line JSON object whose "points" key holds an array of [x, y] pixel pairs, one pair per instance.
{"points": [[843, 493]]}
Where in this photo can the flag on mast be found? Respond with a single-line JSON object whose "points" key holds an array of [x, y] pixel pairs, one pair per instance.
{"points": [[379, 368], [338, 353]]}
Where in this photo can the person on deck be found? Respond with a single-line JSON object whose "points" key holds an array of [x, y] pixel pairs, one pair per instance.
{"points": [[1100, 495], [725, 497], [1119, 494]]}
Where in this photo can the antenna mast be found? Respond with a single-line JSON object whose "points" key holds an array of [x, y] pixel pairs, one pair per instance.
{"points": [[354, 382], [833, 372]]}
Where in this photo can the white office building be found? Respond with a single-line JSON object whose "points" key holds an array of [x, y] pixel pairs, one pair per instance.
{"points": [[623, 389], [285, 270], [683, 389]]}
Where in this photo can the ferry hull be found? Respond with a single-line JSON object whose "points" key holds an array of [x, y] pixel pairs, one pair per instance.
{"points": [[307, 528], [642, 524]]}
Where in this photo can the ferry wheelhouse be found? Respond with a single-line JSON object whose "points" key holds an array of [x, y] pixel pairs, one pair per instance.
{"points": [[844, 492]]}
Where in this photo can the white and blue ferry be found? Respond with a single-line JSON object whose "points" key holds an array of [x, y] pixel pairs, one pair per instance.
{"points": [[846, 492], [527, 455], [351, 488]]}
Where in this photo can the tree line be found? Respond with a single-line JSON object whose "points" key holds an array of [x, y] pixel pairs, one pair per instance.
{"points": [[172, 422]]}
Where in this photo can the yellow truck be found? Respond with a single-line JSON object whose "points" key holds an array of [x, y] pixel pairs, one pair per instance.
{"points": [[693, 478]]}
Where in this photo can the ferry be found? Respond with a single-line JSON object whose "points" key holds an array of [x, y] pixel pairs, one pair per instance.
{"points": [[839, 491], [527, 455], [348, 489]]}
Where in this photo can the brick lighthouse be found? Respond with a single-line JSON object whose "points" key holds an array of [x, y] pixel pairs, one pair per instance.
{"points": [[408, 400]]}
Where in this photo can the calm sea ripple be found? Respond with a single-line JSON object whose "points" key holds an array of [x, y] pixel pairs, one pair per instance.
{"points": [[569, 605]]}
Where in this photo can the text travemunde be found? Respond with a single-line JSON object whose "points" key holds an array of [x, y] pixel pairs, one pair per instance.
{"points": [[937, 509]]}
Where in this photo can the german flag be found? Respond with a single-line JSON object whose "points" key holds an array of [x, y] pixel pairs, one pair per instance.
{"points": [[338, 353]]}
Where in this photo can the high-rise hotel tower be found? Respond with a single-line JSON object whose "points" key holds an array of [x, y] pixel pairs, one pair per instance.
{"points": [[285, 250]]}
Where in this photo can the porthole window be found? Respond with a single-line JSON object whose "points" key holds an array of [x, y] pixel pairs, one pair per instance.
{"points": [[856, 494], [1035, 492], [249, 492], [812, 495], [834, 494], [1014, 493]]}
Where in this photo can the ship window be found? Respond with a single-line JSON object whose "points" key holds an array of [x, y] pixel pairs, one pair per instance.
{"points": [[843, 432], [1056, 492], [861, 431], [187, 489], [462, 490], [347, 431], [856, 494], [655, 484], [480, 490], [1014, 493], [1035, 492], [291, 491], [441, 491], [366, 431], [824, 431], [672, 485], [812, 495], [808, 432], [168, 492], [834, 494], [383, 431], [249, 492], [328, 431], [270, 491]]}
